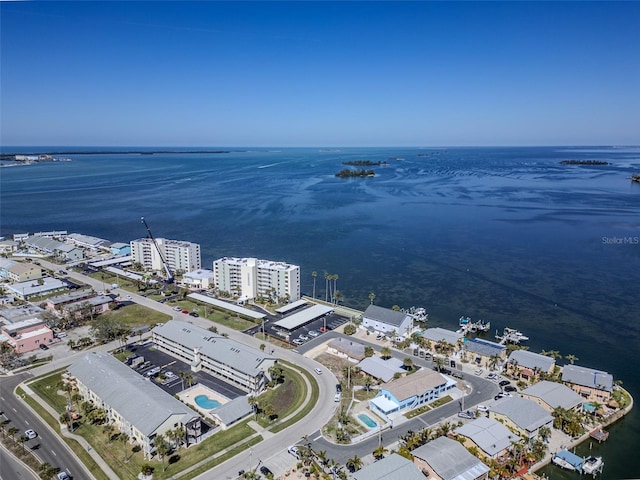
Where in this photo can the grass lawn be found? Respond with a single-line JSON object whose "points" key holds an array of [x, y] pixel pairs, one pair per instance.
{"points": [[315, 389], [135, 315], [120, 454], [285, 398]]}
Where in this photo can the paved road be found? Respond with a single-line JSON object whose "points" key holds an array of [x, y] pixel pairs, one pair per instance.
{"points": [[47, 446], [13, 469], [272, 451]]}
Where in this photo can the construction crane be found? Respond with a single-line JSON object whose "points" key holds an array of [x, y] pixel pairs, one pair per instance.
{"points": [[167, 270]]}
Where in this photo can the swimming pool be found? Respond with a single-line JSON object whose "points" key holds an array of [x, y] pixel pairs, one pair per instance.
{"points": [[367, 420], [206, 402]]}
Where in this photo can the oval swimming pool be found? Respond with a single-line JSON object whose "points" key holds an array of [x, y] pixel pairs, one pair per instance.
{"points": [[206, 402], [367, 420]]}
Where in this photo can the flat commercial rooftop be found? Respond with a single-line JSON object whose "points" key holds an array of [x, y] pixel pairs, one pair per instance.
{"points": [[227, 306], [305, 316]]}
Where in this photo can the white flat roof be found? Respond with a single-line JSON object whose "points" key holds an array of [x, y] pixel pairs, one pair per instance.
{"points": [[303, 317], [227, 306], [124, 273], [111, 261], [291, 306]]}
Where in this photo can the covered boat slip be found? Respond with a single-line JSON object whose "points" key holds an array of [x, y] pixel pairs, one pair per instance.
{"points": [[227, 306], [302, 318], [568, 460]]}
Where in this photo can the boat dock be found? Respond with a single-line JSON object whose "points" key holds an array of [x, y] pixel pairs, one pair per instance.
{"points": [[467, 326], [599, 434], [511, 335]]}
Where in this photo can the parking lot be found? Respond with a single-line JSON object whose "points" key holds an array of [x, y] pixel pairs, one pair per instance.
{"points": [[157, 362], [301, 335]]}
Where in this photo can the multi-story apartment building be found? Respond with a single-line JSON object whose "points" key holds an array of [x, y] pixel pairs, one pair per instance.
{"points": [[248, 278], [179, 255], [136, 406], [235, 363]]}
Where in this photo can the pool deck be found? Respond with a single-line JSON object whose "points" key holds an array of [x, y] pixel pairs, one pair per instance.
{"points": [[188, 396]]}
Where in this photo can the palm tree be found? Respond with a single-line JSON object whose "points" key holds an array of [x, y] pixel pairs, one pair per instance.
{"points": [[12, 432], [439, 361], [368, 381], [408, 363], [46, 470], [493, 361], [182, 376], [379, 452], [326, 286], [162, 447], [571, 358], [314, 274], [189, 379], [385, 352], [23, 438], [354, 463], [372, 297], [335, 286]]}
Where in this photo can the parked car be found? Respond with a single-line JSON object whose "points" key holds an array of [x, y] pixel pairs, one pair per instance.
{"points": [[177, 309], [467, 414], [510, 388], [297, 341], [61, 335], [492, 376], [482, 408], [293, 450], [265, 471], [313, 333], [30, 434], [193, 314], [478, 372], [186, 312], [338, 387], [43, 346], [129, 297], [504, 383], [303, 337]]}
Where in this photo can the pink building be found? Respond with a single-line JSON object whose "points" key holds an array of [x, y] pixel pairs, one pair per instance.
{"points": [[27, 335]]}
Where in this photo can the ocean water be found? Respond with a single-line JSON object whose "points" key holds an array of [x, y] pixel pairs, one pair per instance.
{"points": [[507, 235]]}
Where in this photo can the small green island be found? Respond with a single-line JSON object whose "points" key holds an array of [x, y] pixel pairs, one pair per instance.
{"points": [[364, 163], [347, 173], [584, 162]]}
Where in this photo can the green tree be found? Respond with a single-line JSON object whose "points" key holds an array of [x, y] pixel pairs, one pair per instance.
{"points": [[350, 329], [12, 432], [314, 274], [407, 362], [368, 351], [379, 451], [162, 448], [385, 353], [354, 463], [571, 358], [22, 439], [46, 470]]}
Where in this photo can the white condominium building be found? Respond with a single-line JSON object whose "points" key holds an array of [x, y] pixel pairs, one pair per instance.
{"points": [[249, 278], [184, 256]]}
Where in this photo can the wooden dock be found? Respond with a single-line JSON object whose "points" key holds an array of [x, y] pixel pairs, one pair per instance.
{"points": [[599, 434]]}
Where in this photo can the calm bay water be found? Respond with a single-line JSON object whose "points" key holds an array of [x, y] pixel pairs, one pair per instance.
{"points": [[501, 234]]}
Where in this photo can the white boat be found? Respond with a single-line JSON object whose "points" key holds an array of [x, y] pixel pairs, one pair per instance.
{"points": [[592, 465], [511, 335], [562, 463]]}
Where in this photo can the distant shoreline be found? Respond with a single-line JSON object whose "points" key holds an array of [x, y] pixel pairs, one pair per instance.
{"points": [[11, 156]]}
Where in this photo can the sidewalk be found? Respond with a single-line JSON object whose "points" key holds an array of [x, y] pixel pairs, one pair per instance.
{"points": [[63, 430]]}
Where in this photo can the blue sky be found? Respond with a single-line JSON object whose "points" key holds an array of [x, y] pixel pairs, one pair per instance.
{"points": [[319, 74]]}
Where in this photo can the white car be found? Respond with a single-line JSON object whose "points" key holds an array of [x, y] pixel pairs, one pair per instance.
{"points": [[293, 450], [304, 338], [129, 297], [177, 309], [313, 333], [30, 434], [482, 408], [63, 476], [318, 371]]}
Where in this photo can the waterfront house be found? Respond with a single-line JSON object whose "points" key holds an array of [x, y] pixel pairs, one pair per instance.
{"points": [[551, 395], [528, 366], [592, 385], [232, 361], [484, 353], [392, 467], [387, 321], [410, 392], [446, 459], [442, 337], [27, 335], [522, 415], [346, 348], [136, 406], [492, 439]]}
